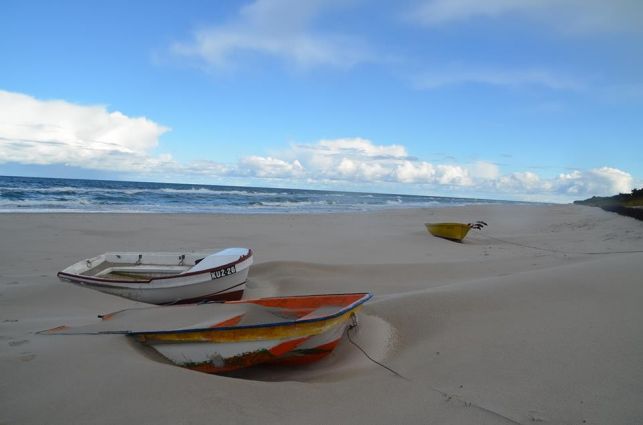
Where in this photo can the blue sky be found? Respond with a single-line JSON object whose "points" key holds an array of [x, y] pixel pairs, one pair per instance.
{"points": [[506, 99]]}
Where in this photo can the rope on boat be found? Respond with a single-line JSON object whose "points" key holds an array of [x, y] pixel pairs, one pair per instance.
{"points": [[352, 326], [446, 395]]}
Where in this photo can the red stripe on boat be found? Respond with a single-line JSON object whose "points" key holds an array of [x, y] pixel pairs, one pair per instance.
{"points": [[309, 355], [283, 348], [229, 322]]}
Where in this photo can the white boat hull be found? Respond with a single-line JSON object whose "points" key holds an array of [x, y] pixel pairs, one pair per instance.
{"points": [[223, 282]]}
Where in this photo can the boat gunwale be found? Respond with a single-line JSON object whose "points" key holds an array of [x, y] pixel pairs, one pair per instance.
{"points": [[105, 282], [365, 297], [448, 224]]}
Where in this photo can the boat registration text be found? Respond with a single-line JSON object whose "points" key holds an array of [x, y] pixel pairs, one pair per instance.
{"points": [[227, 271]]}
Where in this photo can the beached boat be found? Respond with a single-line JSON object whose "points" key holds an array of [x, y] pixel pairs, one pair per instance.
{"points": [[222, 337], [453, 231], [165, 277]]}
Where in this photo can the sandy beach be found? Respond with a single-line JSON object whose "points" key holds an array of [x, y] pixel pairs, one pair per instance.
{"points": [[537, 318]]}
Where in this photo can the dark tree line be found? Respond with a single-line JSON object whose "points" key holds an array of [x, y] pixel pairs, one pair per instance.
{"points": [[629, 204]]}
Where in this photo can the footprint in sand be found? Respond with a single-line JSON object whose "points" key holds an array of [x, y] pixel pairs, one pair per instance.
{"points": [[27, 357], [17, 343], [535, 416]]}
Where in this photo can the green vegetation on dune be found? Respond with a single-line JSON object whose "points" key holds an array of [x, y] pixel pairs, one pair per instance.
{"points": [[634, 199], [628, 204]]}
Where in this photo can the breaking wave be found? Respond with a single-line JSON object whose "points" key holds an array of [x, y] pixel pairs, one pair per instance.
{"points": [[27, 194]]}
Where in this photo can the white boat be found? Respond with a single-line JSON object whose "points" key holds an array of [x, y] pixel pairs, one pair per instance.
{"points": [[165, 277]]}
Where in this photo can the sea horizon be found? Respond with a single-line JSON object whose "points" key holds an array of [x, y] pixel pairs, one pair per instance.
{"points": [[20, 194]]}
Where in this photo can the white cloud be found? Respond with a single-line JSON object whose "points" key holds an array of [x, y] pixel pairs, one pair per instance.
{"points": [[360, 160], [268, 167], [604, 181], [577, 184], [568, 16], [55, 131], [204, 167], [496, 77], [35, 131], [521, 182], [408, 172], [358, 147], [434, 12], [278, 28], [484, 170]]}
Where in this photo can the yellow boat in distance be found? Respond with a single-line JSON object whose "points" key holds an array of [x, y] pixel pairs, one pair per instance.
{"points": [[453, 231]]}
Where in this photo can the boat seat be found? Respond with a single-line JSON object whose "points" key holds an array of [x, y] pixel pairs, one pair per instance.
{"points": [[260, 315], [321, 312]]}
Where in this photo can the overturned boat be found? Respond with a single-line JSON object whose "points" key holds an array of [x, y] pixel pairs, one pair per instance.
{"points": [[165, 277], [222, 337]]}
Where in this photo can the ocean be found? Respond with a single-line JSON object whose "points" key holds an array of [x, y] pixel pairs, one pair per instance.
{"points": [[31, 194]]}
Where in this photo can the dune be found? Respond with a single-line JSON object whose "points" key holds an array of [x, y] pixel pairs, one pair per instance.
{"points": [[536, 318]]}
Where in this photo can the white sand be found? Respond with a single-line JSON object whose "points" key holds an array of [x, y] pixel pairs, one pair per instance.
{"points": [[486, 332]]}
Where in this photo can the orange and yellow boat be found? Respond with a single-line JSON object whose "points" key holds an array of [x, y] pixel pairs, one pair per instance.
{"points": [[222, 337]]}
